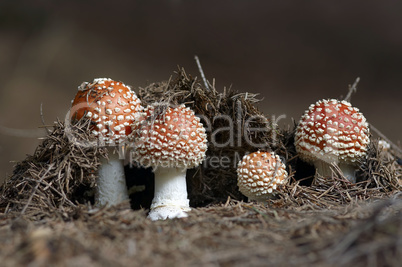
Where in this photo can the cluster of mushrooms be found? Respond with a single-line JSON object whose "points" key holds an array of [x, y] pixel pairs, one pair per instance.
{"points": [[171, 139], [330, 133]]}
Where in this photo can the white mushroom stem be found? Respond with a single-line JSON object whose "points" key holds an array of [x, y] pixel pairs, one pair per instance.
{"points": [[170, 198], [349, 171], [324, 169], [111, 184]]}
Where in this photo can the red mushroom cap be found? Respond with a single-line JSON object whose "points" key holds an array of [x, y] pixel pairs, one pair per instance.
{"points": [[332, 131], [170, 138], [111, 105], [259, 174]]}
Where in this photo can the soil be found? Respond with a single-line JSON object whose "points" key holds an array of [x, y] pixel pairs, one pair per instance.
{"points": [[230, 234]]}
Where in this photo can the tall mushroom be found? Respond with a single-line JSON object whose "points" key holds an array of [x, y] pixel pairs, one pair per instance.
{"points": [[112, 107], [332, 132], [259, 174], [170, 140]]}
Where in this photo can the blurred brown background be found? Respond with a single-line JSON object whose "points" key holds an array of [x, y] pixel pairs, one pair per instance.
{"points": [[291, 52]]}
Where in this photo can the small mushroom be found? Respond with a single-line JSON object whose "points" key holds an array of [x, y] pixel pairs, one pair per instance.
{"points": [[384, 145], [259, 174], [332, 132], [112, 107], [170, 140]]}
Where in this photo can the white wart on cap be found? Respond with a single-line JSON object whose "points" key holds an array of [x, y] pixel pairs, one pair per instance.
{"points": [[332, 131], [169, 140], [112, 107], [259, 175]]}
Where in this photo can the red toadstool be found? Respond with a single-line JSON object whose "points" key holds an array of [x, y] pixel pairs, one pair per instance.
{"points": [[332, 132], [259, 174], [170, 140], [112, 107]]}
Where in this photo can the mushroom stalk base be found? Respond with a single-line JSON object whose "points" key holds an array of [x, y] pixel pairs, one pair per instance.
{"points": [[170, 198], [349, 171], [324, 169], [111, 188]]}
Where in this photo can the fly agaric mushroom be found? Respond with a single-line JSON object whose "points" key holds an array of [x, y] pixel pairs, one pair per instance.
{"points": [[170, 140], [112, 107], [332, 132], [259, 174]]}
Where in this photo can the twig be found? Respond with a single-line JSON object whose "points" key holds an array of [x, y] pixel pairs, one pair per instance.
{"points": [[352, 89], [201, 71], [380, 134], [43, 119], [26, 133]]}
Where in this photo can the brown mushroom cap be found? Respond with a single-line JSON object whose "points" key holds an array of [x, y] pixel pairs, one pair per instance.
{"points": [[174, 138], [111, 105], [259, 174], [332, 131]]}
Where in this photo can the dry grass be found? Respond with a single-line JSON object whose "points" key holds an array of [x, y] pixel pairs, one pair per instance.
{"points": [[59, 174]]}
